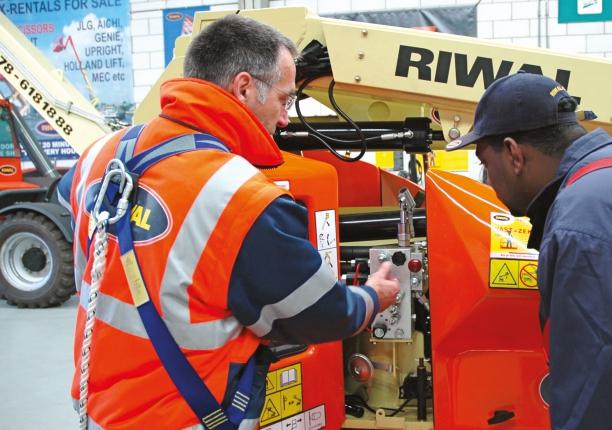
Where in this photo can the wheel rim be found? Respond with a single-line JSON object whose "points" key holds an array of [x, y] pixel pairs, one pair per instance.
{"points": [[18, 266]]}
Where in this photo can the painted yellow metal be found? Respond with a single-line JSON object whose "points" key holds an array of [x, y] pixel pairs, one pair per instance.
{"points": [[387, 73], [46, 89]]}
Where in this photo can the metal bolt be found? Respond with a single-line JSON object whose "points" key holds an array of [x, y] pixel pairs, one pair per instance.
{"points": [[382, 257], [357, 78], [364, 32], [360, 55], [454, 133]]}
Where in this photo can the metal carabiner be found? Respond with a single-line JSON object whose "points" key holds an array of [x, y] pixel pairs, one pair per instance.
{"points": [[114, 168]]}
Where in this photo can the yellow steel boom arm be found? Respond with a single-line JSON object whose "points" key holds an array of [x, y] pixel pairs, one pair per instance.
{"points": [[388, 73]]}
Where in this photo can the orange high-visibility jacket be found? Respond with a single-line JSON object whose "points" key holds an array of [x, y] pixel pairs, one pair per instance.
{"points": [[181, 249]]}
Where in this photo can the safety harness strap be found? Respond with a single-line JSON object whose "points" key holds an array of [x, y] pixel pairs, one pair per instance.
{"points": [[185, 378], [593, 166]]}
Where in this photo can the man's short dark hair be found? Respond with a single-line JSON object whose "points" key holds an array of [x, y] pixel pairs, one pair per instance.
{"points": [[235, 44], [552, 140]]}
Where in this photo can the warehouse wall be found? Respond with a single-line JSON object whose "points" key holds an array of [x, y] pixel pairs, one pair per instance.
{"points": [[523, 22]]}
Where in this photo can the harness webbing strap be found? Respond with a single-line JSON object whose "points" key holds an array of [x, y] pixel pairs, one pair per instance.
{"points": [[185, 378], [591, 167]]}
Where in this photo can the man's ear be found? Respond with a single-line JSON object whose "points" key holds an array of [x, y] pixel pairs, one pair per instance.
{"points": [[241, 86], [517, 155]]}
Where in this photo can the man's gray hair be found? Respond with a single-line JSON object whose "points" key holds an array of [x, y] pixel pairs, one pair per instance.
{"points": [[237, 44]]}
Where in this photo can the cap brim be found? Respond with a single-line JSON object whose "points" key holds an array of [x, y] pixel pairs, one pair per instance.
{"points": [[463, 141]]}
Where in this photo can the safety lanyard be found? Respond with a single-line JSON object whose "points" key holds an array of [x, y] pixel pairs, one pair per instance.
{"points": [[185, 378], [584, 170]]}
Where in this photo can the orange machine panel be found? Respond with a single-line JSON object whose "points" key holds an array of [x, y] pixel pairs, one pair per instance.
{"points": [[363, 184], [306, 390], [487, 350]]}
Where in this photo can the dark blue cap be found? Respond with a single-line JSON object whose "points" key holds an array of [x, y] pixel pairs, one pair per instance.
{"points": [[520, 102]]}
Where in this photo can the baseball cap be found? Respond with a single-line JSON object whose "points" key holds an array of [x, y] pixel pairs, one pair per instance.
{"points": [[514, 103]]}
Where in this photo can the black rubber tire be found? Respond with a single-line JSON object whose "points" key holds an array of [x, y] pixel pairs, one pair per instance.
{"points": [[57, 260]]}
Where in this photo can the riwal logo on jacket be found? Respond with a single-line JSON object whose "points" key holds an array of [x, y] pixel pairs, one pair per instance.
{"points": [[149, 217]]}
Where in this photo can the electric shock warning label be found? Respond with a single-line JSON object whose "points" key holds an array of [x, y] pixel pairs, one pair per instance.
{"points": [[512, 265]]}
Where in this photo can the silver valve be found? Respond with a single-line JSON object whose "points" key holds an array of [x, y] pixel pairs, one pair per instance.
{"points": [[405, 228]]}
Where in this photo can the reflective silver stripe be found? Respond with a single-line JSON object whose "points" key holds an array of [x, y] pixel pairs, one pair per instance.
{"points": [[79, 258], [92, 425], [80, 262], [185, 142], [369, 304], [124, 317], [198, 225], [127, 146], [62, 201], [88, 161], [302, 298], [250, 424], [118, 314]]}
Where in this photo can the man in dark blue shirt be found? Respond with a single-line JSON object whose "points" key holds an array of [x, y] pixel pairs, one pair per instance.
{"points": [[543, 164]]}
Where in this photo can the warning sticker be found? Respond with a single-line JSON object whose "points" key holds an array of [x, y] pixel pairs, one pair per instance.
{"points": [[509, 237], [528, 274], [271, 383], [283, 394], [502, 273], [330, 258], [272, 409], [510, 273]]}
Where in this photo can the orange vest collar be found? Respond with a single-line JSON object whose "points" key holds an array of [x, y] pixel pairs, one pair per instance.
{"points": [[209, 107]]}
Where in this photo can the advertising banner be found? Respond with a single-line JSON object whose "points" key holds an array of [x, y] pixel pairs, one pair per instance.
{"points": [[89, 42]]}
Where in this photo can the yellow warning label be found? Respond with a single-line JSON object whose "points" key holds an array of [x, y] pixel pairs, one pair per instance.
{"points": [[283, 394], [272, 409], [508, 273], [291, 401], [509, 236], [271, 382]]}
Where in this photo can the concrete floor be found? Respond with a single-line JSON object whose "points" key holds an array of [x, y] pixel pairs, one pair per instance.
{"points": [[36, 367]]}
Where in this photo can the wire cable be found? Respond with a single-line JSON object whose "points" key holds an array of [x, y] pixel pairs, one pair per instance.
{"points": [[324, 139]]}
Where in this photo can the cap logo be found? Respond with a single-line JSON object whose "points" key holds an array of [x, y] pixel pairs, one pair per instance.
{"points": [[455, 143], [556, 90]]}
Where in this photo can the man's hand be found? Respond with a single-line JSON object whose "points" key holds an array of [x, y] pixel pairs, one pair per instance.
{"points": [[386, 287]]}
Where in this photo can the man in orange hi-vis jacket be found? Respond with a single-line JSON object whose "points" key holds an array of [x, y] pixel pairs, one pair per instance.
{"points": [[206, 250]]}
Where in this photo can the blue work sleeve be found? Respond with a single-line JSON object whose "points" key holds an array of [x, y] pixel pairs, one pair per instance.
{"points": [[63, 189], [575, 275], [281, 290]]}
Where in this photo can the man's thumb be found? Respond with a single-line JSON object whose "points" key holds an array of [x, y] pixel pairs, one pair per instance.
{"points": [[384, 270]]}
